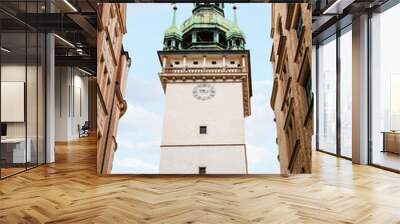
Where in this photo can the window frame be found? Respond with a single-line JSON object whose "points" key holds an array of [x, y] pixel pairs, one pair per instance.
{"points": [[203, 130]]}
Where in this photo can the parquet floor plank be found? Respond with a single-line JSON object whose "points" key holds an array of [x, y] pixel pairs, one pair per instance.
{"points": [[69, 191]]}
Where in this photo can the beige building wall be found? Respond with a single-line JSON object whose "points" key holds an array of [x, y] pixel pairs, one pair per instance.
{"points": [[292, 99], [112, 70]]}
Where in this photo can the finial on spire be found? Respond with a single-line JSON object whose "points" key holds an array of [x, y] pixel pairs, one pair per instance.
{"points": [[234, 13], [174, 15]]}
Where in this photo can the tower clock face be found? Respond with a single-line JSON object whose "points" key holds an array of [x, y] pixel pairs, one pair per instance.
{"points": [[203, 91]]}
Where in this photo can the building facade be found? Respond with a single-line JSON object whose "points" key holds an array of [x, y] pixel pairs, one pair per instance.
{"points": [[112, 70], [292, 99], [206, 79]]}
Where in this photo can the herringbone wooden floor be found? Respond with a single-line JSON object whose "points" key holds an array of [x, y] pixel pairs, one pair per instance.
{"points": [[69, 191]]}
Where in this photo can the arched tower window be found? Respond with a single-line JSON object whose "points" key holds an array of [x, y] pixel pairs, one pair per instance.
{"points": [[205, 36]]}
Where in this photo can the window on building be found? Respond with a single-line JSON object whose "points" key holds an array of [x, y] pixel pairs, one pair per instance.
{"points": [[205, 36], [202, 170], [203, 129], [299, 25], [232, 62], [222, 39], [279, 25], [308, 87], [284, 70], [195, 62], [237, 42], [214, 62], [176, 62], [291, 135], [187, 40]]}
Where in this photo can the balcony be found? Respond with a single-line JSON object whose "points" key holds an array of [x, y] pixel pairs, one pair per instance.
{"points": [[218, 74], [203, 70]]}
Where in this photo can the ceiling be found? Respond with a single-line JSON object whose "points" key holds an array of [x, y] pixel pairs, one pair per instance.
{"points": [[332, 15], [74, 22]]}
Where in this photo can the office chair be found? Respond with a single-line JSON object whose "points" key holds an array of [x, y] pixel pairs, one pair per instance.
{"points": [[84, 130]]}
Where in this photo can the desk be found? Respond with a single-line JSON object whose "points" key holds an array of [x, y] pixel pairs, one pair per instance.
{"points": [[391, 141], [13, 150]]}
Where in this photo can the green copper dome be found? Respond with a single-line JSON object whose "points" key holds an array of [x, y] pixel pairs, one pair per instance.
{"points": [[235, 31], [206, 17], [173, 30], [207, 28], [173, 35]]}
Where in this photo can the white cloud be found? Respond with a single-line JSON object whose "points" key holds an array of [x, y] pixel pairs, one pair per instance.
{"points": [[134, 165], [256, 154], [129, 143], [261, 159], [260, 127], [261, 131], [144, 91], [139, 120], [139, 138]]}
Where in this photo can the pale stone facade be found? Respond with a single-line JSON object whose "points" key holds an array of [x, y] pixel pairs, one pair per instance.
{"points": [[207, 84], [211, 90], [292, 98]]}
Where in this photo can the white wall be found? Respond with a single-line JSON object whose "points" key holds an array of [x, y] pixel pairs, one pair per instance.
{"points": [[217, 159], [17, 73], [222, 114], [61, 103], [71, 93], [222, 149]]}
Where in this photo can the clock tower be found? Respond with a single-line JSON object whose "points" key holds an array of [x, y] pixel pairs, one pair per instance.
{"points": [[206, 79]]}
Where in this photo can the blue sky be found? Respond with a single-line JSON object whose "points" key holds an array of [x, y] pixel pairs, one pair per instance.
{"points": [[139, 133]]}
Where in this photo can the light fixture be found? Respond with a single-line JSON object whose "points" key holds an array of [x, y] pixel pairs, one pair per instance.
{"points": [[65, 41], [5, 50], [70, 5], [84, 71]]}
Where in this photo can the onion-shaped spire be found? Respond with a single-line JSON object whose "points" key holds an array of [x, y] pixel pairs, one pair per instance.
{"points": [[173, 35], [235, 35]]}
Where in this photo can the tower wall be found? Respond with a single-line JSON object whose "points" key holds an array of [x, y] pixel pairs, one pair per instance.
{"points": [[222, 149], [223, 159], [207, 84], [222, 114]]}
